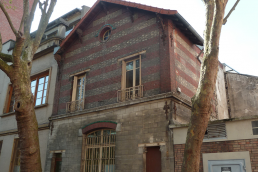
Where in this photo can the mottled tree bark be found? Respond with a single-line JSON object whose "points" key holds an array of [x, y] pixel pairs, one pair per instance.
{"points": [[19, 73], [201, 102]]}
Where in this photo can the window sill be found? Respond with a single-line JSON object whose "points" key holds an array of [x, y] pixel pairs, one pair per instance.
{"points": [[12, 113]]}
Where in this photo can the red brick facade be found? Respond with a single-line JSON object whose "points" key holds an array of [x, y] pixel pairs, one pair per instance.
{"points": [[250, 145], [15, 14], [159, 73]]}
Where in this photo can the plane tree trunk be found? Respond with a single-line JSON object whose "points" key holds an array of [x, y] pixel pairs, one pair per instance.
{"points": [[18, 68], [201, 102]]}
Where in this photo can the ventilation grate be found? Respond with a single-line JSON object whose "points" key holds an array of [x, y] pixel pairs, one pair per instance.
{"points": [[215, 131]]}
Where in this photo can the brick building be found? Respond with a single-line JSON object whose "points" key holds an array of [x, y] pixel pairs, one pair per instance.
{"points": [[15, 11], [126, 72]]}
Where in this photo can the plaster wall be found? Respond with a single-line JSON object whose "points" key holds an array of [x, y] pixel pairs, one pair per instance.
{"points": [[236, 130], [7, 148], [47, 62]]}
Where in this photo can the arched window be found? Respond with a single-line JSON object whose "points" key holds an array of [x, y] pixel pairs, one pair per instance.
{"points": [[99, 151]]}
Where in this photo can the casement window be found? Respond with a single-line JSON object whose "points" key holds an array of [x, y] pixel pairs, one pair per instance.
{"points": [[131, 87], [99, 151], [78, 87], [78, 92], [1, 144], [255, 127], [39, 87], [15, 160]]}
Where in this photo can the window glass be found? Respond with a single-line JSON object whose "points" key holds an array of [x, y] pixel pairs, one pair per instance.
{"points": [[39, 88], [106, 35]]}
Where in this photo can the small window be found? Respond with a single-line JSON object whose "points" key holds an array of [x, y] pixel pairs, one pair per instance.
{"points": [[39, 87], [255, 127], [105, 34], [16, 154], [99, 151]]}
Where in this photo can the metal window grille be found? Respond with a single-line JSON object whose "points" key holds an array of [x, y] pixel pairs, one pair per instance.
{"points": [[100, 151], [215, 131]]}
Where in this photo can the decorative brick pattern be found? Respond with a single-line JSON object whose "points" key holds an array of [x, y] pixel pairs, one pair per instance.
{"points": [[250, 145], [107, 17]]}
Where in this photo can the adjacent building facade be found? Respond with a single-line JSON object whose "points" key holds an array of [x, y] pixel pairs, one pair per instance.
{"points": [[43, 79]]}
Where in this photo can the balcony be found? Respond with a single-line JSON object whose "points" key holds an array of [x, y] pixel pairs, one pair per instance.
{"points": [[74, 106], [130, 93]]}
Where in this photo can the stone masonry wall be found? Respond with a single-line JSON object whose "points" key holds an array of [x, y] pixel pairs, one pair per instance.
{"points": [[219, 147], [104, 78], [242, 94], [136, 124]]}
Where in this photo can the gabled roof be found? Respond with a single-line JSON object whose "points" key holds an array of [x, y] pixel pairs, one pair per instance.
{"points": [[177, 19]]}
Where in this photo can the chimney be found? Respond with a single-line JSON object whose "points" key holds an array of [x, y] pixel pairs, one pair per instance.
{"points": [[84, 10]]}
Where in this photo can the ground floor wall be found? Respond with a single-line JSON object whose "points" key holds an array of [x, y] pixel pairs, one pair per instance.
{"points": [[138, 127], [249, 146], [7, 149]]}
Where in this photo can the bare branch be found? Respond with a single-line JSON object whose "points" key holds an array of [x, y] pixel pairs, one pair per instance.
{"points": [[232, 9], [5, 67], [9, 19], [6, 57], [28, 21], [43, 24], [41, 7]]}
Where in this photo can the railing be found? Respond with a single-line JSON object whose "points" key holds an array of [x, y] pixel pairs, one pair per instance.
{"points": [[130, 93], [75, 105]]}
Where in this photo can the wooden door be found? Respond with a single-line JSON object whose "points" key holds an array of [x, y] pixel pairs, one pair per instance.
{"points": [[153, 159]]}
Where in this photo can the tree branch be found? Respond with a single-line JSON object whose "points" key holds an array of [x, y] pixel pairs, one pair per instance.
{"points": [[6, 57], [28, 21], [5, 67], [232, 9], [43, 24], [9, 19]]}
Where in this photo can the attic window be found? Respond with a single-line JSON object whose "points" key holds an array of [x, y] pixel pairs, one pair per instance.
{"points": [[105, 34]]}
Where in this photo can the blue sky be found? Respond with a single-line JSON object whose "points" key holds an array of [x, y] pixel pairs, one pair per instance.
{"points": [[239, 38]]}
